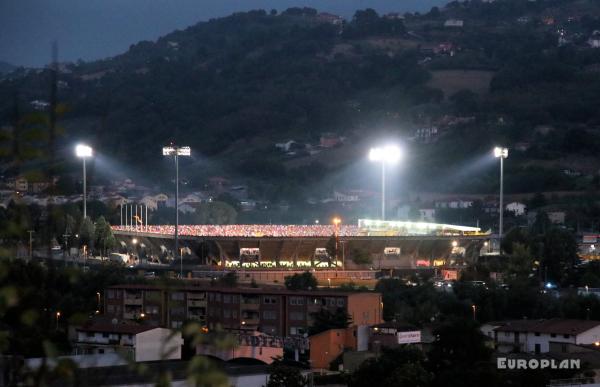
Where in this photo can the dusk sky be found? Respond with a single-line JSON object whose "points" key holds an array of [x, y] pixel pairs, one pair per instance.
{"points": [[93, 29]]}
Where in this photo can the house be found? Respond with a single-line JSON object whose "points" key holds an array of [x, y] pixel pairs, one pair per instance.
{"points": [[289, 146], [394, 16], [426, 135], [427, 214], [454, 203], [327, 346], [18, 184], [556, 217], [39, 104], [454, 23], [149, 202], [137, 342], [535, 336], [594, 40], [330, 140], [517, 208], [348, 196], [330, 18]]}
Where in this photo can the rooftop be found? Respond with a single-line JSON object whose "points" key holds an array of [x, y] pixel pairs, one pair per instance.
{"points": [[552, 326]]}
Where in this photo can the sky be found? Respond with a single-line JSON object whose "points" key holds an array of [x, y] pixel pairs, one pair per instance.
{"points": [[95, 29]]}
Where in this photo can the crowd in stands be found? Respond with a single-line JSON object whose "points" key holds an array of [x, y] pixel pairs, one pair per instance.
{"points": [[250, 230]]}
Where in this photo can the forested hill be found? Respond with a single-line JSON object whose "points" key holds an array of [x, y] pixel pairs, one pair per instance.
{"points": [[452, 83]]}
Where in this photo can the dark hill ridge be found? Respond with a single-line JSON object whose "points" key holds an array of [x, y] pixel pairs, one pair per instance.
{"points": [[254, 79]]}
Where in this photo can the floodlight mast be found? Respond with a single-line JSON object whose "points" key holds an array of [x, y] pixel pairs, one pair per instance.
{"points": [[83, 151], [501, 153], [176, 151], [389, 154]]}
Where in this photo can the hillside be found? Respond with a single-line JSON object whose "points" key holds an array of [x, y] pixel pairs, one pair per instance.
{"points": [[6, 67], [516, 72]]}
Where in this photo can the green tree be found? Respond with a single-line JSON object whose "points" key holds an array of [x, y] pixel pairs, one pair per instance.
{"points": [[361, 257], [304, 281], [281, 375], [520, 261], [559, 253], [332, 247], [400, 366], [104, 238], [87, 233], [324, 320], [215, 213]]}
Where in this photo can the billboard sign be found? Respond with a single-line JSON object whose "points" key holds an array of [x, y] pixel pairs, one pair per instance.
{"points": [[409, 337]]}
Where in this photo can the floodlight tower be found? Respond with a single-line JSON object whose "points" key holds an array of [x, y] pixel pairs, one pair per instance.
{"points": [[177, 151], [501, 153], [389, 154], [83, 152]]}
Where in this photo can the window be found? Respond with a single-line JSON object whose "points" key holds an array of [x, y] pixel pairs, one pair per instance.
{"points": [[90, 334], [227, 298], [110, 309], [177, 296], [151, 309], [296, 316], [226, 313], [234, 314], [538, 333], [177, 311], [296, 300], [269, 300], [176, 324], [297, 330], [218, 297], [211, 296], [111, 294], [566, 336], [551, 335], [105, 335], [340, 302], [269, 315]]}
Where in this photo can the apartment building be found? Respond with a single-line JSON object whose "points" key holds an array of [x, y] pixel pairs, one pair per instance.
{"points": [[272, 311], [536, 336]]}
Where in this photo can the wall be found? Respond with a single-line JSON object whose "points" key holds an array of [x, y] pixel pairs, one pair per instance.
{"points": [[158, 344], [365, 308]]}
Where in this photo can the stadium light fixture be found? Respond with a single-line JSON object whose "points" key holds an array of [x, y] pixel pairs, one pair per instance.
{"points": [[176, 152], [501, 153], [83, 152], [389, 154]]}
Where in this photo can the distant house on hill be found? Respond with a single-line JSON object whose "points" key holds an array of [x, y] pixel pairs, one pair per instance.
{"points": [[330, 140], [330, 18], [594, 40], [517, 208], [454, 23]]}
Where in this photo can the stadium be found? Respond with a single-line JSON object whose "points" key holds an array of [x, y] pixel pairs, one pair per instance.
{"points": [[383, 244]]}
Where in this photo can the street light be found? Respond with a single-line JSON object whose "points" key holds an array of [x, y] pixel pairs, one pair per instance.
{"points": [[389, 154], [177, 151], [336, 222], [501, 153], [83, 152]]}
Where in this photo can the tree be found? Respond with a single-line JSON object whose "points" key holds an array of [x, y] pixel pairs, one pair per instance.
{"points": [[332, 247], [559, 253], [304, 281], [361, 257], [400, 366], [281, 375], [87, 233], [324, 320], [104, 238], [215, 213], [520, 261]]}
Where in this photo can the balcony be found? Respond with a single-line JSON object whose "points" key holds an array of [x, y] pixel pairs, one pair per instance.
{"points": [[196, 303]]}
